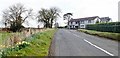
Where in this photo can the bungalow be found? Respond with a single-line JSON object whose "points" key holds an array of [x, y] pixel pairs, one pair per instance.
{"points": [[82, 22], [105, 19]]}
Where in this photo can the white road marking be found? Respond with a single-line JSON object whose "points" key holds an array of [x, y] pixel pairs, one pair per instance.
{"points": [[98, 47]]}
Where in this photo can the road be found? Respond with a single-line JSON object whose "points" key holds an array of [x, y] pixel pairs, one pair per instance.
{"points": [[73, 43]]}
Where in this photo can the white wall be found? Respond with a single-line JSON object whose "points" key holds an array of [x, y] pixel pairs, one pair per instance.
{"points": [[83, 25], [96, 20], [73, 23]]}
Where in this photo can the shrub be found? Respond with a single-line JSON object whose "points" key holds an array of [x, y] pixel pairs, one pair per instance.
{"points": [[105, 27]]}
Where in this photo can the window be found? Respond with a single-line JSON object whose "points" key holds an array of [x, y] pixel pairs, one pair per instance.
{"points": [[89, 21], [71, 22], [82, 22], [82, 26], [76, 22]]}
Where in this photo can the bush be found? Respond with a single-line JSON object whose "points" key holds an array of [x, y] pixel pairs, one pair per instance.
{"points": [[105, 27]]}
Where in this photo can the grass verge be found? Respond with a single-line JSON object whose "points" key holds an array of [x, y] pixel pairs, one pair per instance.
{"points": [[36, 45], [114, 36], [3, 35]]}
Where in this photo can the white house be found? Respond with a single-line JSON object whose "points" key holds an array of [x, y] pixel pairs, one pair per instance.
{"points": [[105, 19], [82, 22]]}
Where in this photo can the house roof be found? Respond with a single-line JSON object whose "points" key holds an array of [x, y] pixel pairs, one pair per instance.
{"points": [[82, 19], [105, 19]]}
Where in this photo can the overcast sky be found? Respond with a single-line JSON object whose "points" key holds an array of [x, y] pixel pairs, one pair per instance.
{"points": [[79, 8]]}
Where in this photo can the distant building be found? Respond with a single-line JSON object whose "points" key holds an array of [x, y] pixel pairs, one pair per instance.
{"points": [[82, 22], [105, 19]]}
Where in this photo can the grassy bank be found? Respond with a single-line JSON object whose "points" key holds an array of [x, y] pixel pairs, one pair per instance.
{"points": [[114, 36], [36, 45], [3, 35]]}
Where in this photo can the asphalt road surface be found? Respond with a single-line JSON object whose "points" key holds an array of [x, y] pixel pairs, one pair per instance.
{"points": [[73, 43]]}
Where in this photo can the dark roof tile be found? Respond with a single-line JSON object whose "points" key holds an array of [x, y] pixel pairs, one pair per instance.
{"points": [[105, 19], [81, 19]]}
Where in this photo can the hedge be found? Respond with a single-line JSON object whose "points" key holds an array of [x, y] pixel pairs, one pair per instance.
{"points": [[105, 27]]}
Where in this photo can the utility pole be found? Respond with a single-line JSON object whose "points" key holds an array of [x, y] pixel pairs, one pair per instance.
{"points": [[119, 11]]}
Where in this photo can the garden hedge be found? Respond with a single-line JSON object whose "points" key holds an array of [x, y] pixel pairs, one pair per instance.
{"points": [[105, 27]]}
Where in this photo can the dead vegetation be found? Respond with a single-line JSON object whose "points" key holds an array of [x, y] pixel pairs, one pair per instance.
{"points": [[13, 38]]}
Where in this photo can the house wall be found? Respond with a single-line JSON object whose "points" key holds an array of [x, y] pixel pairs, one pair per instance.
{"points": [[73, 24], [96, 20], [82, 24], [105, 21]]}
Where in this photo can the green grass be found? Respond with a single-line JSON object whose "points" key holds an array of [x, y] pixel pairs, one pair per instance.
{"points": [[114, 36], [3, 35], [39, 45]]}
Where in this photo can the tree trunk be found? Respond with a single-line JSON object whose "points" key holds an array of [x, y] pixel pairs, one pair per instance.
{"points": [[51, 23]]}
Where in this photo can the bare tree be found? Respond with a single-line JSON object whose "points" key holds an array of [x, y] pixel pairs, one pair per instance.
{"points": [[54, 14], [44, 16], [48, 15], [67, 17], [16, 15]]}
